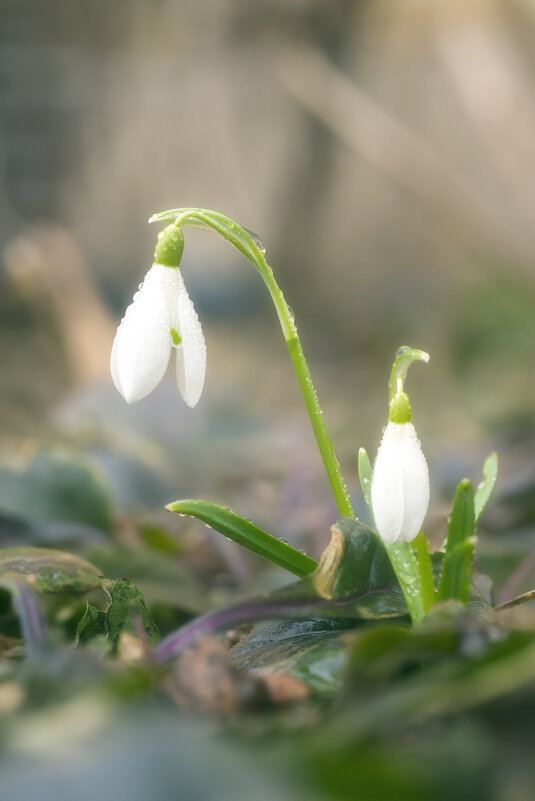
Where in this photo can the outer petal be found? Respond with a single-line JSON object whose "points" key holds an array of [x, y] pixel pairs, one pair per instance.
{"points": [[142, 345], [400, 484], [387, 490], [191, 353], [415, 484]]}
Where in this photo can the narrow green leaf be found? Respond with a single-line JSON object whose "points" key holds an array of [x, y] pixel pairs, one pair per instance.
{"points": [[486, 487], [421, 547], [407, 570], [456, 570], [365, 476], [247, 534], [462, 519]]}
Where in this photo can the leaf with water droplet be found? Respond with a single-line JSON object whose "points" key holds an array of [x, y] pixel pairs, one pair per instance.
{"points": [[256, 239], [241, 238], [408, 573], [247, 534]]}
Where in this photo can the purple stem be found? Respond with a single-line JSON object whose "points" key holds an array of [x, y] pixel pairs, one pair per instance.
{"points": [[25, 604], [175, 642], [510, 588]]}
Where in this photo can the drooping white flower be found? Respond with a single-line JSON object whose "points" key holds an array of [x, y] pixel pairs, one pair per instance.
{"points": [[160, 319], [400, 484]]}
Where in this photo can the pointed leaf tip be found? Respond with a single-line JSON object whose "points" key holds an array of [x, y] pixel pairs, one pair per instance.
{"points": [[246, 534], [486, 487]]}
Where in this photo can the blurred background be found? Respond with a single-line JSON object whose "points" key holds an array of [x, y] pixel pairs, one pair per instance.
{"points": [[384, 152]]}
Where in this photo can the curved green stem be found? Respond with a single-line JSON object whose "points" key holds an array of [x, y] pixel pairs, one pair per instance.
{"points": [[404, 358], [251, 247]]}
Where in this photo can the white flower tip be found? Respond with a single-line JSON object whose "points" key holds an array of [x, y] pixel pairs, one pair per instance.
{"points": [[192, 402], [132, 396], [400, 484], [160, 318]]}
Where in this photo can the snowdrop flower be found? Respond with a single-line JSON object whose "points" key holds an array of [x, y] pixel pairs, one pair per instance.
{"points": [[400, 480], [161, 319]]}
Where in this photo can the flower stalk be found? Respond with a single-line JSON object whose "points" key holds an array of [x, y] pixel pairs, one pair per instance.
{"points": [[251, 247]]}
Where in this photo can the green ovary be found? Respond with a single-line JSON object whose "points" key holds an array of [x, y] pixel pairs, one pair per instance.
{"points": [[175, 336]]}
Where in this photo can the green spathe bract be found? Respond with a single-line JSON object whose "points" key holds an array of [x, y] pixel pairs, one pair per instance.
{"points": [[170, 246]]}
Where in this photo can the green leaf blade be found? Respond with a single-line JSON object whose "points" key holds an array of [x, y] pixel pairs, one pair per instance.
{"points": [[486, 487], [425, 568], [407, 570], [462, 521], [457, 571], [457, 567], [245, 533], [365, 476]]}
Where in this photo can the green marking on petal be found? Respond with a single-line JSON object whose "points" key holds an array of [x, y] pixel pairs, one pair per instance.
{"points": [[175, 336]]}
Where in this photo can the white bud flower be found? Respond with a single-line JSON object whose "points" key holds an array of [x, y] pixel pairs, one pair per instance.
{"points": [[160, 319], [400, 484]]}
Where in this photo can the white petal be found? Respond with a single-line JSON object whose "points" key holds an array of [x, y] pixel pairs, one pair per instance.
{"points": [[400, 484], [415, 485], [191, 353], [114, 368], [142, 345], [387, 486]]}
